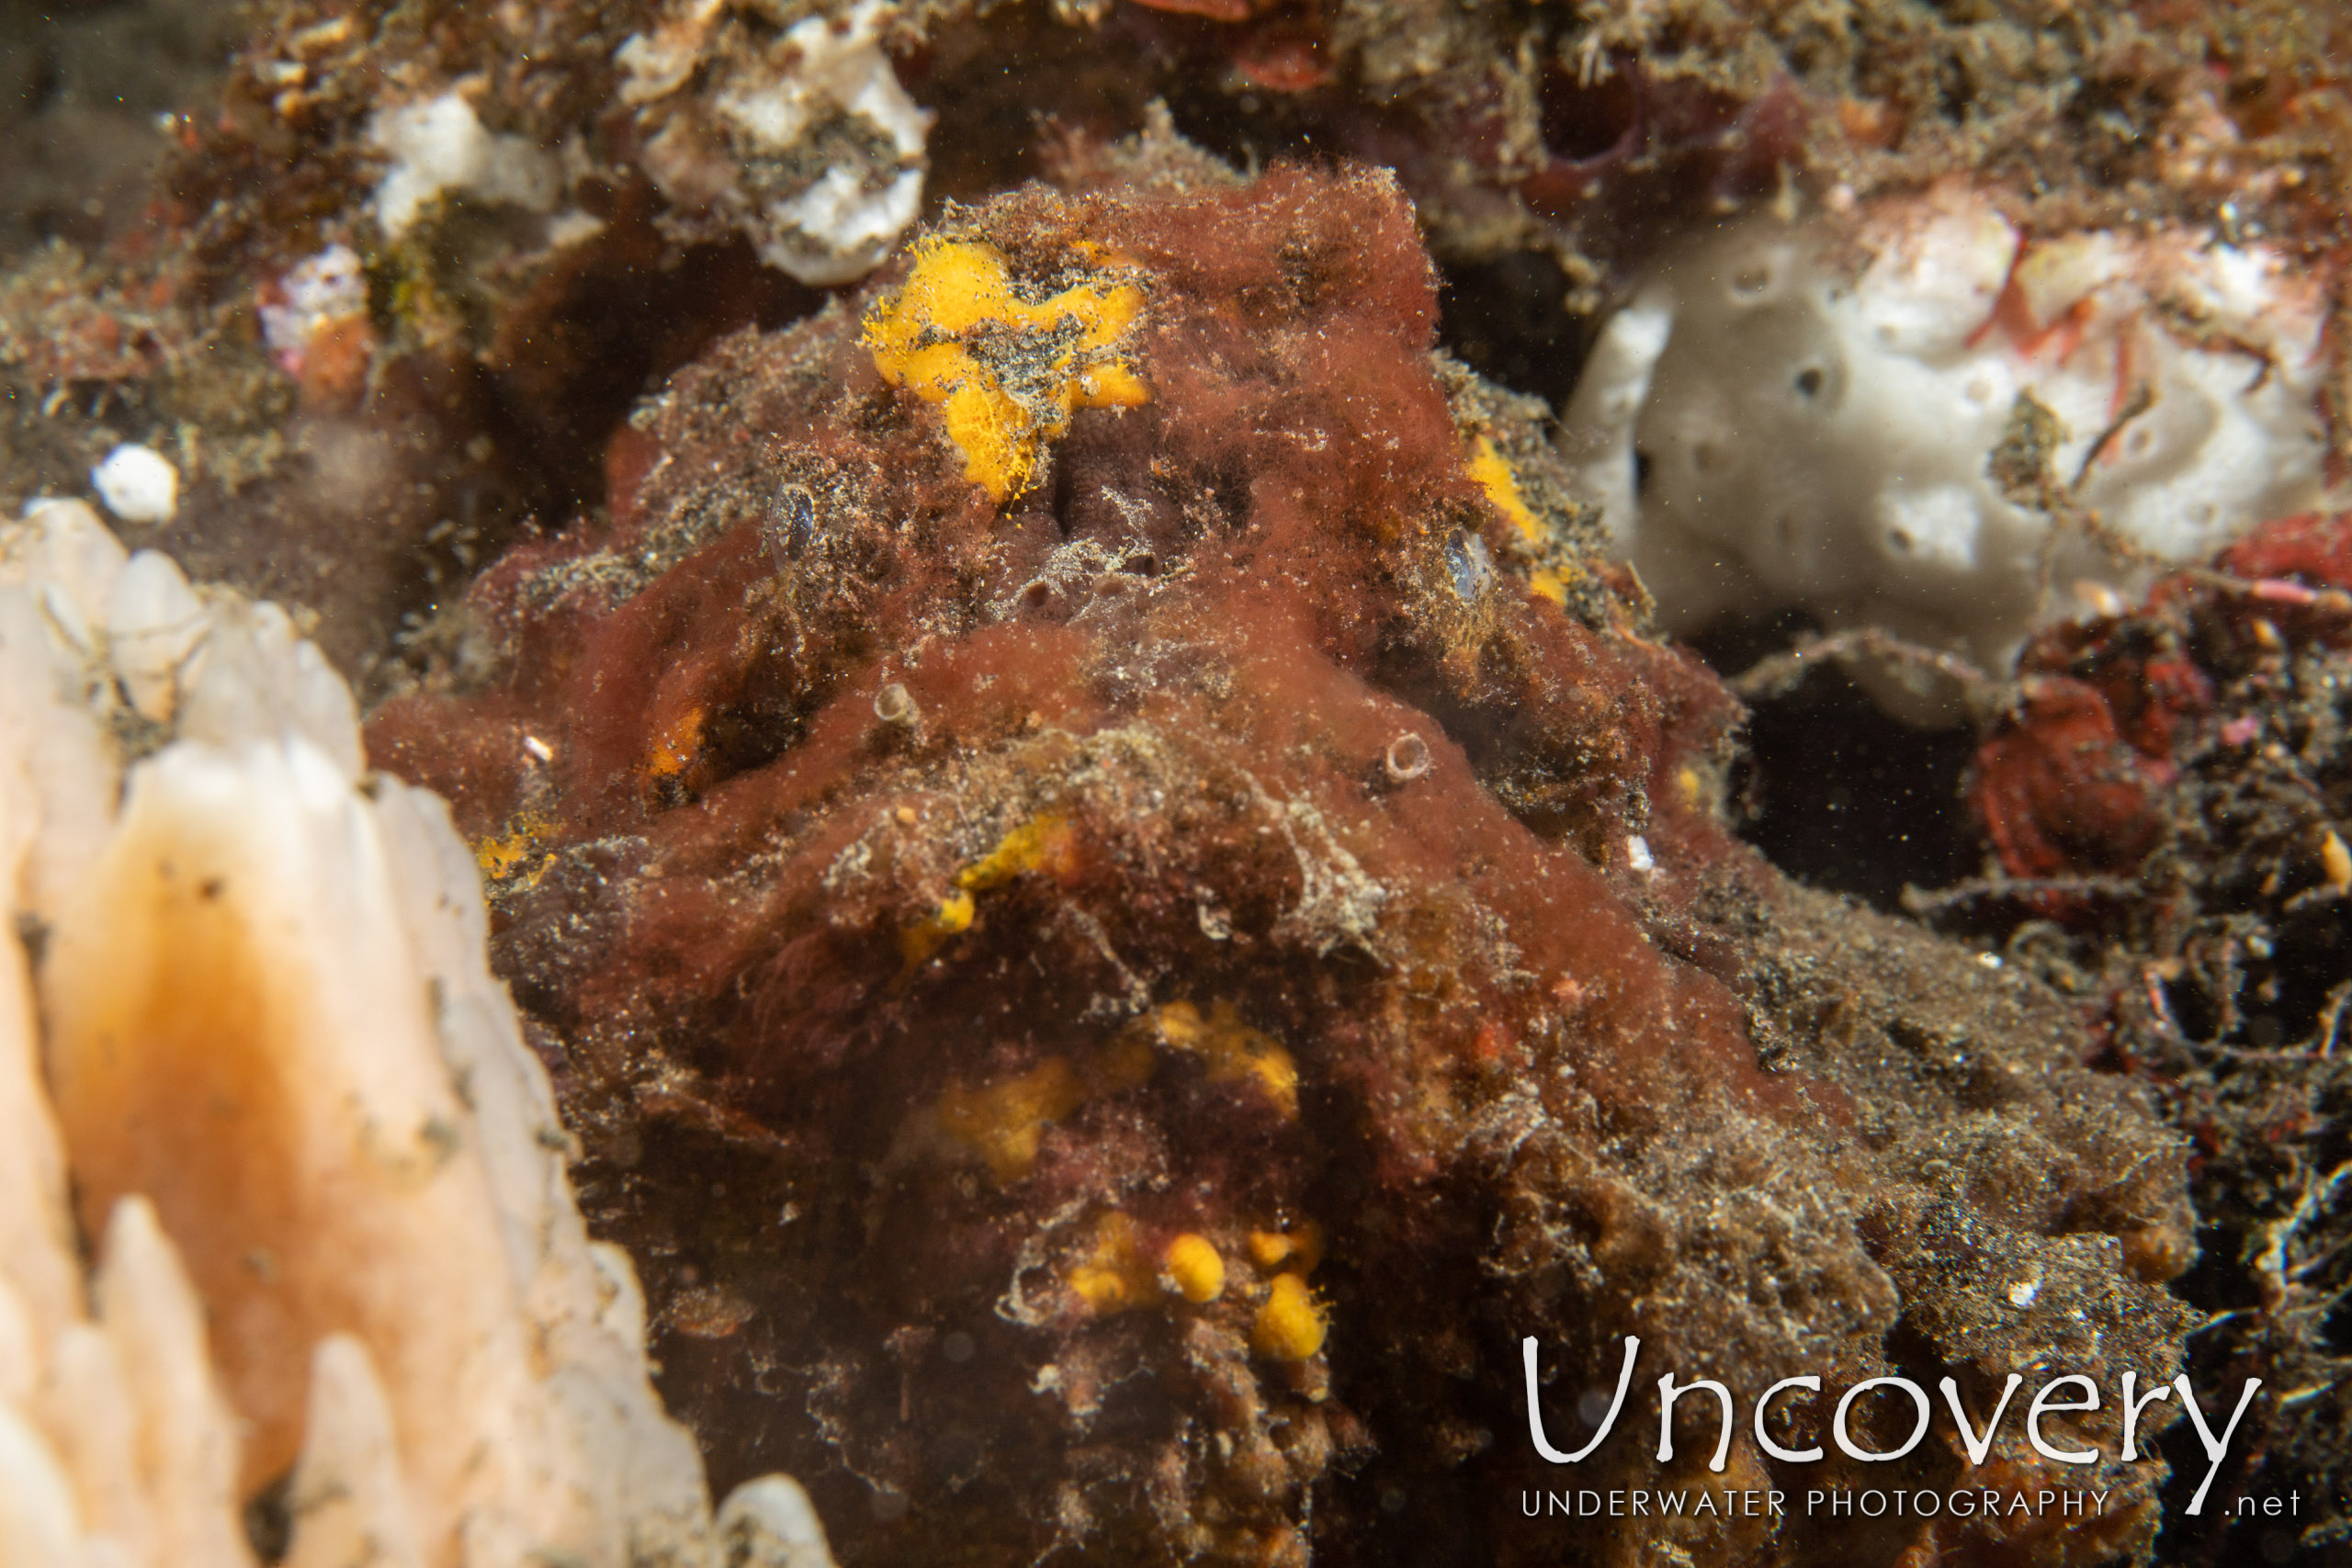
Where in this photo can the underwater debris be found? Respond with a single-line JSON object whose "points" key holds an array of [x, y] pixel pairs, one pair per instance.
{"points": [[138, 484], [2132, 731], [2166, 799]]}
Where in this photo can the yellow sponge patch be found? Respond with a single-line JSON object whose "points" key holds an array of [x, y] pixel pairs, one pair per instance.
{"points": [[918, 940], [1234, 1052], [1493, 474], [1006, 374], [676, 746], [517, 849], [1047, 843], [1299, 1250], [1490, 470], [1290, 1325], [1117, 1276], [1194, 1267], [1003, 1122]]}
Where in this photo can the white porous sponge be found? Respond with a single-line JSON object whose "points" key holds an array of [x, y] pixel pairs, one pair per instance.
{"points": [[1806, 416], [257, 1070], [441, 146], [802, 140], [138, 484]]}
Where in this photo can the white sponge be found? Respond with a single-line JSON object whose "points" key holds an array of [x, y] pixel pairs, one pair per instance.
{"points": [[441, 145], [804, 142], [1806, 417], [138, 484]]}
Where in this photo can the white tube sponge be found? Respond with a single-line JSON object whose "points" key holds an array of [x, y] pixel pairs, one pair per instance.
{"points": [[58, 571], [38, 1277], [582, 1296], [270, 1060], [184, 1452], [237, 1029], [128, 1426], [39, 1527], [347, 1499], [770, 1520]]}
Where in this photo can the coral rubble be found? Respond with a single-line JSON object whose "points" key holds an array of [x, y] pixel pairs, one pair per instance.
{"points": [[1109, 993], [342, 1307]]}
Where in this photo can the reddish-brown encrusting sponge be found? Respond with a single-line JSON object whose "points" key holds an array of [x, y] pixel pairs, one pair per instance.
{"points": [[1105, 1017]]}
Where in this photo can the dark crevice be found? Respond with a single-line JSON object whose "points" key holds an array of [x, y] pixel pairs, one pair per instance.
{"points": [[607, 325], [1507, 318], [1838, 793], [269, 1521]]}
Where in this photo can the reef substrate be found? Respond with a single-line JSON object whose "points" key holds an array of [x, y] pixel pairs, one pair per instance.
{"points": [[1118, 899], [2164, 798]]}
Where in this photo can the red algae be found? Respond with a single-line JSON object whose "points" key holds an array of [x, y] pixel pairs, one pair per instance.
{"points": [[2079, 779], [2165, 800], [1138, 995]]}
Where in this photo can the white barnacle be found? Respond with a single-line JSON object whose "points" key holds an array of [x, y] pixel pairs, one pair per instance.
{"points": [[1408, 758], [895, 704]]}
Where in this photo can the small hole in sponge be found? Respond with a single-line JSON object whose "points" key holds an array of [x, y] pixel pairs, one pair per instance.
{"points": [[1748, 284], [1808, 382]]}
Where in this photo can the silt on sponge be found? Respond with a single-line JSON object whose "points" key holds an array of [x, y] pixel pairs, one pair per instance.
{"points": [[1852, 418]]}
